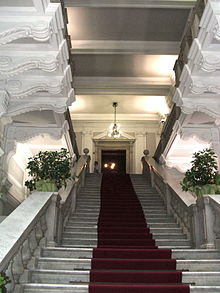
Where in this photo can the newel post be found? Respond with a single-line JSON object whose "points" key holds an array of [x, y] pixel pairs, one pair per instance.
{"points": [[52, 220]]}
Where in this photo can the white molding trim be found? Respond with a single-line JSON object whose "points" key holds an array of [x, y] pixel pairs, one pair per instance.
{"points": [[120, 117], [181, 4], [128, 85], [124, 47]]}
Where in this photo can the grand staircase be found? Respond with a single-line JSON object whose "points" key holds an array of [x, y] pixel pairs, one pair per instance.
{"points": [[66, 268]]}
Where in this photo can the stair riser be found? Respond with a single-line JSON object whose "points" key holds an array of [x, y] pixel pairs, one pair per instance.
{"points": [[39, 289], [69, 277], [165, 242], [195, 254], [59, 278], [86, 265], [67, 253], [202, 279], [60, 265]]}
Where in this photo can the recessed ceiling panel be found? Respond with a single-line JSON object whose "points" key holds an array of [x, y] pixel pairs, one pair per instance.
{"points": [[134, 24], [102, 104], [124, 65]]}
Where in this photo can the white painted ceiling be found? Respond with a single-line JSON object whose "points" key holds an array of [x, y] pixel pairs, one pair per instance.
{"points": [[115, 46]]}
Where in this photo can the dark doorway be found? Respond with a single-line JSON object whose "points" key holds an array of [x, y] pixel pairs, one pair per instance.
{"points": [[113, 161]]}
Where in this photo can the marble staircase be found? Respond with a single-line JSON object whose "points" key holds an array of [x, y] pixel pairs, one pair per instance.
{"points": [[66, 268]]}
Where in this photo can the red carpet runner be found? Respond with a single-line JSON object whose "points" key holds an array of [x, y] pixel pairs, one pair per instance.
{"points": [[126, 259]]}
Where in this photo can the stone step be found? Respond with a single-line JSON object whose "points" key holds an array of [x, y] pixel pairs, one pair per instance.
{"points": [[174, 242], [94, 235], [195, 254], [54, 288], [85, 229], [169, 236], [161, 225], [77, 235], [161, 219], [66, 252], [59, 276], [80, 229], [165, 230], [84, 218], [85, 264], [184, 254], [80, 242], [80, 224], [63, 263], [83, 276], [200, 265]]}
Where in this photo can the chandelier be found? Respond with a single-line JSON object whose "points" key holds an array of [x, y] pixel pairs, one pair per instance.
{"points": [[114, 128]]}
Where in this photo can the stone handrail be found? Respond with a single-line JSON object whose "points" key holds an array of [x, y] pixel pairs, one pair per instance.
{"points": [[199, 217], [31, 225], [167, 131], [177, 203], [38, 221], [191, 32]]}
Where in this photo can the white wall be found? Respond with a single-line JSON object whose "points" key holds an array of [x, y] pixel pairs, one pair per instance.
{"points": [[143, 133]]}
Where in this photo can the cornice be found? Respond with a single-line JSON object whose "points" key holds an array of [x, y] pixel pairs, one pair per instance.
{"points": [[124, 47], [128, 86], [120, 117], [181, 4]]}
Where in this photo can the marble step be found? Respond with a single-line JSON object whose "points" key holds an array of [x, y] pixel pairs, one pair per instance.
{"points": [[184, 254], [85, 264], [159, 219], [195, 254], [80, 242], [82, 276], [174, 242], [84, 229], [91, 242], [94, 235], [55, 288], [66, 252]]}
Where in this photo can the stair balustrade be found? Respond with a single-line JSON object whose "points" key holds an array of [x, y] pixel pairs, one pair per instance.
{"points": [[37, 222], [199, 217]]}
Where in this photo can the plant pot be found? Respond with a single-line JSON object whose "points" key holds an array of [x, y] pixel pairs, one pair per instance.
{"points": [[46, 186]]}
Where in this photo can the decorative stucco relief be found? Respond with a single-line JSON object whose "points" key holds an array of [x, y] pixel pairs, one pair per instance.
{"points": [[9, 69], [19, 89], [4, 102], [40, 32]]}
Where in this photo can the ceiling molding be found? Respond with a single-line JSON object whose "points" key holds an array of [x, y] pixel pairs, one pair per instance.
{"points": [[181, 4], [158, 86], [124, 47], [120, 117]]}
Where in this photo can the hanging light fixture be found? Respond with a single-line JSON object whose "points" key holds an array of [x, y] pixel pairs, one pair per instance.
{"points": [[114, 129]]}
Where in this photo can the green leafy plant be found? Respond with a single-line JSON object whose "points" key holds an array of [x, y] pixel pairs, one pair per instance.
{"points": [[50, 166], [203, 177], [4, 280]]}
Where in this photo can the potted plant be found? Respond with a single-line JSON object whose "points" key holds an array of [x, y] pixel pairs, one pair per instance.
{"points": [[203, 177], [4, 280], [50, 170]]}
